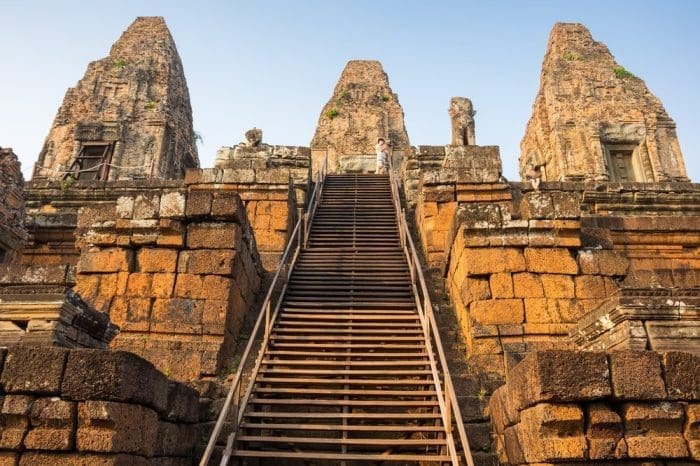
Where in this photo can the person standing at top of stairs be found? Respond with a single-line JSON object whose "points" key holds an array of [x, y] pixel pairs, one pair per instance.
{"points": [[383, 150]]}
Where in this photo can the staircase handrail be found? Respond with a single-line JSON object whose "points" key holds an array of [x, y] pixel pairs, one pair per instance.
{"points": [[447, 401], [299, 237], [315, 199]]}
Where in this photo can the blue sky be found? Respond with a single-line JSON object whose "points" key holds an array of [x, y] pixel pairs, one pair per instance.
{"points": [[273, 64]]}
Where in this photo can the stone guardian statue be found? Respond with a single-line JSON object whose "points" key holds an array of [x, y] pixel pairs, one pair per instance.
{"points": [[462, 114]]}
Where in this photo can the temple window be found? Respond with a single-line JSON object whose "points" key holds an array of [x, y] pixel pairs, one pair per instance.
{"points": [[92, 163]]}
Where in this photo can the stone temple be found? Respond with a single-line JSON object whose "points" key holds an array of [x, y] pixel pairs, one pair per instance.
{"points": [[129, 117], [153, 312]]}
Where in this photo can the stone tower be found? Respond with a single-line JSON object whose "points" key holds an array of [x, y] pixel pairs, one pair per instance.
{"points": [[594, 120], [362, 109], [129, 117]]}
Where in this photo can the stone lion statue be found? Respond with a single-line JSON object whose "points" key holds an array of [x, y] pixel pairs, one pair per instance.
{"points": [[462, 114], [253, 137]]}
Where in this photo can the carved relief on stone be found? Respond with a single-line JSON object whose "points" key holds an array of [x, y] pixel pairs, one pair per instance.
{"points": [[462, 114]]}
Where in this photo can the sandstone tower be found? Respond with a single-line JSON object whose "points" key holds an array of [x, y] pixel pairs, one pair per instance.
{"points": [[129, 117], [362, 109], [12, 230], [592, 119]]}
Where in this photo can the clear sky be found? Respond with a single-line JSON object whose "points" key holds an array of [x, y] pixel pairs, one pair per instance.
{"points": [[273, 64]]}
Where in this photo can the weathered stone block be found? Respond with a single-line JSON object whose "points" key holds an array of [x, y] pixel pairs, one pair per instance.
{"points": [[175, 439], [34, 369], [163, 285], [501, 285], [590, 286], [114, 376], [604, 433], [238, 175], [146, 206], [53, 425], [139, 284], [207, 261], [172, 205], [183, 403], [178, 315], [483, 261], [682, 375], [106, 260], [227, 205], [550, 260], [189, 286], [552, 433], [513, 445], [198, 203], [636, 375], [474, 289], [566, 204], [216, 287], [498, 311], [557, 286], [527, 285], [559, 376], [125, 207], [15, 420], [156, 260], [214, 235], [691, 430], [109, 427], [536, 205], [501, 410], [654, 430]]}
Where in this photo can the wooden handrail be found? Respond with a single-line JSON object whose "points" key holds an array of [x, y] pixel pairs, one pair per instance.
{"points": [[269, 317], [447, 398]]}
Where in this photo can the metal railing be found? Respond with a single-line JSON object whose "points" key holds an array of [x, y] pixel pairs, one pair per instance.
{"points": [[263, 326], [447, 398]]}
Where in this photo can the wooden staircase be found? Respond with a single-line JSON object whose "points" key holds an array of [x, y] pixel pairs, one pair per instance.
{"points": [[345, 374]]}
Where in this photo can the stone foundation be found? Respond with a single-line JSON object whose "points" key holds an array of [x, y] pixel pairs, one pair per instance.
{"points": [[79, 407], [177, 271], [626, 407]]}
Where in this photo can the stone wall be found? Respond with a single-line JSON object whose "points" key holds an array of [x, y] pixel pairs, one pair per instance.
{"points": [[52, 214], [177, 270], [133, 107], [79, 407], [594, 120], [12, 230], [625, 407], [439, 178], [272, 182], [526, 265]]}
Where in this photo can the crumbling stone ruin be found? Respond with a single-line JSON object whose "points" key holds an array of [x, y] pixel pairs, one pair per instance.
{"points": [[128, 118], [12, 230], [125, 293], [362, 109], [593, 119]]}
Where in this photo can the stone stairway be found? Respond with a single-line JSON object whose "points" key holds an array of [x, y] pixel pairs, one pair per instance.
{"points": [[346, 376]]}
